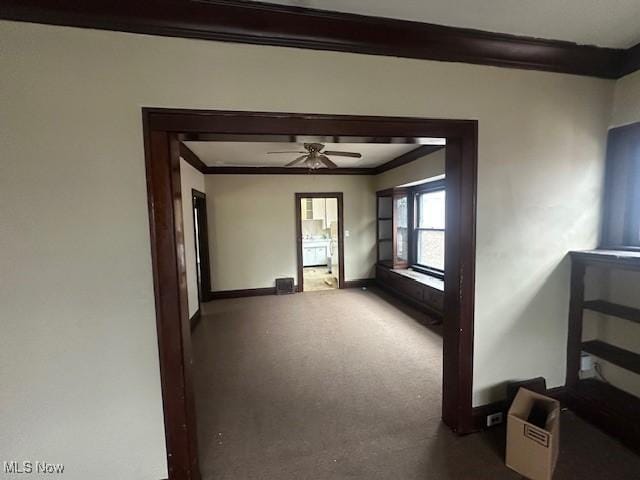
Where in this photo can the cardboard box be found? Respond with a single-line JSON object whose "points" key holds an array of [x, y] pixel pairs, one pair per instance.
{"points": [[532, 451]]}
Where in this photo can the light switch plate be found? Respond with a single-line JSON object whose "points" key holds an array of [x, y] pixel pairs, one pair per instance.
{"points": [[346, 233]]}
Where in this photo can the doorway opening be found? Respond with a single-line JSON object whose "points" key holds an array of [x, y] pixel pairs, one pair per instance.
{"points": [[319, 241], [201, 235], [163, 131]]}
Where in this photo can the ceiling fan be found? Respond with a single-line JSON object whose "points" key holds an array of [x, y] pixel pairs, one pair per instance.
{"points": [[315, 157]]}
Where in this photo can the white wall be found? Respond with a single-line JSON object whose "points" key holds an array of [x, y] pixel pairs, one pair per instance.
{"points": [[190, 179], [252, 228], [626, 104], [76, 299], [422, 168]]}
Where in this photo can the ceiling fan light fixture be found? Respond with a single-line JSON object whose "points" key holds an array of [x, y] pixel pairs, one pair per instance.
{"points": [[314, 163], [315, 158]]}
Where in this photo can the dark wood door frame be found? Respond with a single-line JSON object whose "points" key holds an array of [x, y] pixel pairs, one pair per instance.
{"points": [[338, 196], [162, 150], [199, 199]]}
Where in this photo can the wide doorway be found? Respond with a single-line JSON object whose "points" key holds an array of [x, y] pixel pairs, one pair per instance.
{"points": [[164, 129]]}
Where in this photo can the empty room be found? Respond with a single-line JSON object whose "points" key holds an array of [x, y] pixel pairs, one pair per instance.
{"points": [[325, 240]]}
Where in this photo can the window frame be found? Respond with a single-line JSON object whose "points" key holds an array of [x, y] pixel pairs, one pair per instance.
{"points": [[631, 233], [621, 231], [415, 193]]}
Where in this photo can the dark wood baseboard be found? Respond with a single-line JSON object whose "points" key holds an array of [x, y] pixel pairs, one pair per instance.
{"points": [[360, 283], [195, 320], [481, 412], [257, 292], [246, 292]]}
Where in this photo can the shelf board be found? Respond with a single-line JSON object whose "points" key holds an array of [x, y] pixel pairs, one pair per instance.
{"points": [[625, 259], [613, 309], [612, 354]]}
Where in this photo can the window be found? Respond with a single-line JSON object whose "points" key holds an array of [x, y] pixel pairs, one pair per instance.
{"points": [[621, 219], [429, 229], [411, 227], [402, 227]]}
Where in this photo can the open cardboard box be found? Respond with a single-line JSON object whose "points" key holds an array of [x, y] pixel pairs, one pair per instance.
{"points": [[533, 451]]}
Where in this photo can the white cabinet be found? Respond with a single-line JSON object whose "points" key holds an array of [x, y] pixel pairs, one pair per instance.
{"points": [[314, 253], [319, 208]]}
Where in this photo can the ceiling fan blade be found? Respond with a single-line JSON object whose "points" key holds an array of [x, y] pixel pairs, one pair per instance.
{"points": [[324, 159], [289, 151], [343, 154], [297, 160]]}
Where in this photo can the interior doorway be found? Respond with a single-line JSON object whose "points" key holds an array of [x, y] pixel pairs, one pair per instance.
{"points": [[163, 130], [319, 241], [203, 269]]}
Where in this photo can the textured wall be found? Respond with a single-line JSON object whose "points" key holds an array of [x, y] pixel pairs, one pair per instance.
{"points": [[76, 293]]}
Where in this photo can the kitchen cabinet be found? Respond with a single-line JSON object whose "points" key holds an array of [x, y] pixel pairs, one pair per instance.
{"points": [[314, 253], [319, 208]]}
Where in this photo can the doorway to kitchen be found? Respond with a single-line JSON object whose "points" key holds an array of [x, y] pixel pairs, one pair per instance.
{"points": [[319, 241]]}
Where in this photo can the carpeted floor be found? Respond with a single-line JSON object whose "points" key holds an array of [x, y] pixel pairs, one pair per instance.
{"points": [[344, 385]]}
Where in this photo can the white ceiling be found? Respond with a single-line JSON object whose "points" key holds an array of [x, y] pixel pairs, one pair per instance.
{"points": [[606, 23], [253, 154]]}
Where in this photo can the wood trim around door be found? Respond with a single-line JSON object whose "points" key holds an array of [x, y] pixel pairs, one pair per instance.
{"points": [[161, 128], [340, 197], [202, 241]]}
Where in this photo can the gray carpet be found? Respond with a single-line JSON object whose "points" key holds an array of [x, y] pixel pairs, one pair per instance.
{"points": [[345, 385]]}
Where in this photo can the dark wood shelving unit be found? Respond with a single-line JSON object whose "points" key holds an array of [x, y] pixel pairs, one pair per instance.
{"points": [[612, 354], [609, 408], [613, 309], [615, 411]]}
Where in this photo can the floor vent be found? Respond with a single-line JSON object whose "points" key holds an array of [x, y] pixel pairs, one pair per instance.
{"points": [[284, 286]]}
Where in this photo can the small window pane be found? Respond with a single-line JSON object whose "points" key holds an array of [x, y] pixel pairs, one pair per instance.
{"points": [[431, 208], [431, 249], [402, 233], [402, 244]]}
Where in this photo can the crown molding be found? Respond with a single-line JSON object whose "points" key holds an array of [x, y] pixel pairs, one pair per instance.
{"points": [[407, 157], [192, 159], [267, 24], [631, 61]]}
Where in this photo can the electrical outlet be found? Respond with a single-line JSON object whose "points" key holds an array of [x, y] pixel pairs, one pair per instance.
{"points": [[494, 419]]}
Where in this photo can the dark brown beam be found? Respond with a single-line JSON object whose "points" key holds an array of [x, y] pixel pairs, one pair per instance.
{"points": [[632, 61], [192, 159], [267, 24], [407, 157]]}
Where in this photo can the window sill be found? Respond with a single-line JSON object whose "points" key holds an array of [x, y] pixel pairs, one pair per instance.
{"points": [[422, 278]]}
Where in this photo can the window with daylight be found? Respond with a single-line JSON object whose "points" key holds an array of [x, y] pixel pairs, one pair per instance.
{"points": [[621, 219], [402, 227], [429, 229], [411, 227]]}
